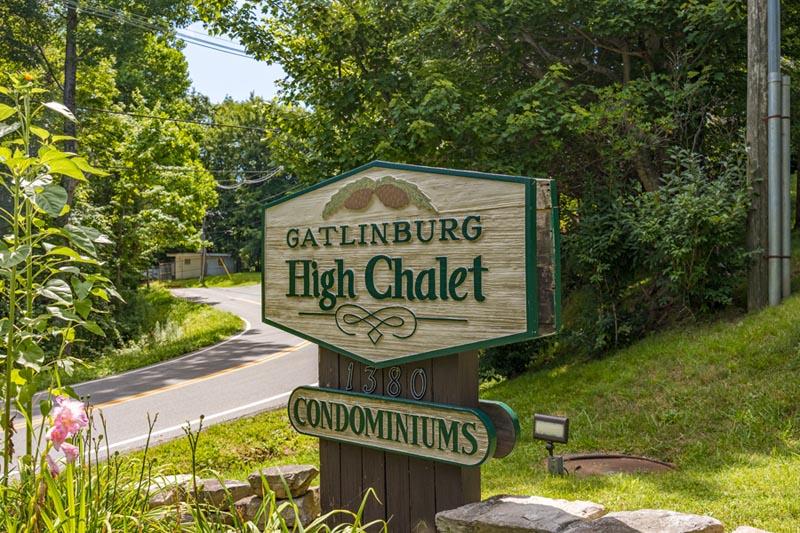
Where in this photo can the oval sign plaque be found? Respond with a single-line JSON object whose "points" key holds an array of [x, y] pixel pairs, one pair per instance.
{"points": [[444, 433]]}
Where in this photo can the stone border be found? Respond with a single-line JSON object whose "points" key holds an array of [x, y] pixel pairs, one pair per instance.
{"points": [[290, 483], [519, 514]]}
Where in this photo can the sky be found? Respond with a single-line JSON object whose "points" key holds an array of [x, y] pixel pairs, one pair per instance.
{"points": [[217, 74]]}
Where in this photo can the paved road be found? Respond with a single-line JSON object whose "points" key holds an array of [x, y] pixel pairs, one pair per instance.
{"points": [[253, 371]]}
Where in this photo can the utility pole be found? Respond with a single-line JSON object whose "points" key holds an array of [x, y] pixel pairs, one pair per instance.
{"points": [[786, 185], [70, 84], [757, 218], [203, 256], [774, 166]]}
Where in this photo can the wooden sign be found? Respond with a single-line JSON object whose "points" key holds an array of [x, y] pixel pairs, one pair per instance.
{"points": [[395, 263], [448, 434]]}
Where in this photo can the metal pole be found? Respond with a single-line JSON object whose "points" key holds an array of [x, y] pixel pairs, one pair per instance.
{"points": [[774, 90], [203, 255], [786, 175]]}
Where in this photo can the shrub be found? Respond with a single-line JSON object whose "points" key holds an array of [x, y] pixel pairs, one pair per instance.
{"points": [[638, 261], [690, 233]]}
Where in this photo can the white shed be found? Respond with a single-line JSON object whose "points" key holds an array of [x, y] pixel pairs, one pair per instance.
{"points": [[187, 265]]}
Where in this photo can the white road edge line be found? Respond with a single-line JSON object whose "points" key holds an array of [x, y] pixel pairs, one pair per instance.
{"points": [[196, 421]]}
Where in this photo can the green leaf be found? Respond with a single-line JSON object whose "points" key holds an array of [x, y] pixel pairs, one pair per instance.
{"points": [[17, 378], [63, 314], [102, 239], [30, 352], [45, 406], [113, 292], [58, 290], [70, 269], [59, 138], [94, 328], [6, 111], [63, 250], [100, 293], [10, 258], [66, 167], [66, 365], [52, 199], [81, 238], [81, 288], [5, 129], [61, 109], [86, 167], [27, 391], [38, 182], [42, 133], [83, 308], [48, 153]]}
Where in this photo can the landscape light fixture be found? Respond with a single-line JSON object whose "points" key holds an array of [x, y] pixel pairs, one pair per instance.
{"points": [[552, 429]]}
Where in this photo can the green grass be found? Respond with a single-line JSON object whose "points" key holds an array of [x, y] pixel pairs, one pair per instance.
{"points": [[235, 449], [721, 401], [170, 326], [237, 279]]}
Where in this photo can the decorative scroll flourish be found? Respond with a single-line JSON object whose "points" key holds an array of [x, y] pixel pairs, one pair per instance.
{"points": [[350, 318], [401, 320]]}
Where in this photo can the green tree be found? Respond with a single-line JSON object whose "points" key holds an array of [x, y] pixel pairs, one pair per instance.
{"points": [[574, 90], [240, 158], [129, 62]]}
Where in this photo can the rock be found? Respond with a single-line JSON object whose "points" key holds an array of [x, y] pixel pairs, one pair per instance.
{"points": [[649, 521], [517, 514], [297, 478], [248, 507], [748, 529], [220, 493], [173, 515], [168, 496], [308, 509], [167, 490]]}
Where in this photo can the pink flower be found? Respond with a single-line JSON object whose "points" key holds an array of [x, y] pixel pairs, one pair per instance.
{"points": [[69, 416], [57, 435], [70, 451], [51, 463]]}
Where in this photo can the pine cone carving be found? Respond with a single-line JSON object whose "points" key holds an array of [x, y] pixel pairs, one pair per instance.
{"points": [[392, 196], [358, 200]]}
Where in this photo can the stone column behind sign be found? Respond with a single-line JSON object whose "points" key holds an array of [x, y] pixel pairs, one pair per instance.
{"points": [[411, 491]]}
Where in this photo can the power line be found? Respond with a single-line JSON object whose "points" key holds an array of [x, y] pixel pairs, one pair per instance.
{"points": [[268, 175], [141, 22], [195, 169], [169, 119], [241, 184]]}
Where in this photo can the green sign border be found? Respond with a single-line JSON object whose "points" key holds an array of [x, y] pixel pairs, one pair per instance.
{"points": [[491, 432], [531, 279]]}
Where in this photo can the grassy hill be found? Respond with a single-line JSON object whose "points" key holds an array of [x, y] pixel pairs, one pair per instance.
{"points": [[721, 401]]}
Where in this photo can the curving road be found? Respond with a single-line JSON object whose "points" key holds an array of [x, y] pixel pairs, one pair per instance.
{"points": [[250, 372]]}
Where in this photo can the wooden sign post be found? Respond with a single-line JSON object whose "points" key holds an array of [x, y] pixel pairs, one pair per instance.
{"points": [[400, 274]]}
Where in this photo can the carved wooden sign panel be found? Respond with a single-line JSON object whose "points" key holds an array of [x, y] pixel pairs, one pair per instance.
{"points": [[445, 433], [392, 263]]}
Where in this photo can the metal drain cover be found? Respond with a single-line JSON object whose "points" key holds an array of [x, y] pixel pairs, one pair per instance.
{"points": [[597, 464]]}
